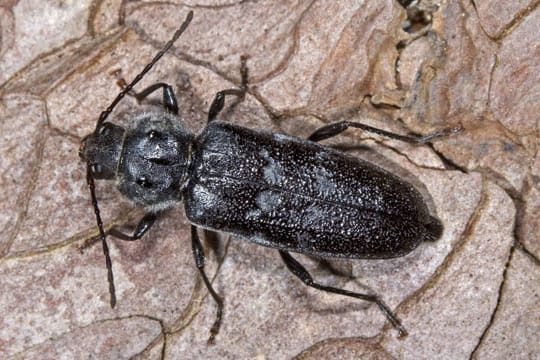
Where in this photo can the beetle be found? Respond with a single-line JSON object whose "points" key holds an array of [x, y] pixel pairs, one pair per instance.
{"points": [[279, 191]]}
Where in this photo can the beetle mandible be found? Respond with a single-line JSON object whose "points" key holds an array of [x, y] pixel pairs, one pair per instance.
{"points": [[278, 191]]}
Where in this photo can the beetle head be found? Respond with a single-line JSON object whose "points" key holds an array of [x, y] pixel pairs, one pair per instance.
{"points": [[101, 150]]}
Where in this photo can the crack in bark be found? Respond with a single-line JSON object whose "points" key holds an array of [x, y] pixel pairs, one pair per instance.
{"points": [[496, 308], [519, 204], [23, 200]]}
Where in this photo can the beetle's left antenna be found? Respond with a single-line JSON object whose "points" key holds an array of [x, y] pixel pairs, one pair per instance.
{"points": [[147, 68], [102, 117]]}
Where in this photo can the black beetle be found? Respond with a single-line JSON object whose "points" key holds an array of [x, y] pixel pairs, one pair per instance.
{"points": [[279, 191]]}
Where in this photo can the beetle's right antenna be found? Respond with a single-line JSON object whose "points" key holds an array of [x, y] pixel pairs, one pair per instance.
{"points": [[102, 235], [102, 117]]}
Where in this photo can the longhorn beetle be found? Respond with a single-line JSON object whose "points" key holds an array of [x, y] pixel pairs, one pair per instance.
{"points": [[279, 191]]}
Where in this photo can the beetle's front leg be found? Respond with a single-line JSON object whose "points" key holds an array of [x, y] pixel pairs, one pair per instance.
{"points": [[198, 254], [142, 228], [300, 271], [169, 98]]}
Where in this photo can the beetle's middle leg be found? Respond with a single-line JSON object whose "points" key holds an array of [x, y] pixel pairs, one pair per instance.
{"points": [[334, 129], [300, 271], [198, 254], [219, 100]]}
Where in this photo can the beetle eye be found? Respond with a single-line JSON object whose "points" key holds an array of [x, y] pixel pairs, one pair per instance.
{"points": [[143, 181], [96, 169], [105, 129]]}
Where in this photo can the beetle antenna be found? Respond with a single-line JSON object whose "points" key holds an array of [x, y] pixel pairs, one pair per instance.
{"points": [[102, 117], [147, 68], [102, 236]]}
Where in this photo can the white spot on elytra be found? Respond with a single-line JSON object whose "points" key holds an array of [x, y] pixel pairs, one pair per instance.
{"points": [[283, 137], [204, 199], [324, 182], [268, 200], [272, 171]]}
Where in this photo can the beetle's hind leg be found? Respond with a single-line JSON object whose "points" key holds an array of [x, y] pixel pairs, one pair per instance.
{"points": [[219, 100], [198, 254], [300, 271], [337, 128], [169, 98]]}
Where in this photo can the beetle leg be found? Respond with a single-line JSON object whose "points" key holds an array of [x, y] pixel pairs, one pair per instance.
{"points": [[169, 99], [198, 254], [142, 227], [299, 271], [334, 129], [219, 100]]}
